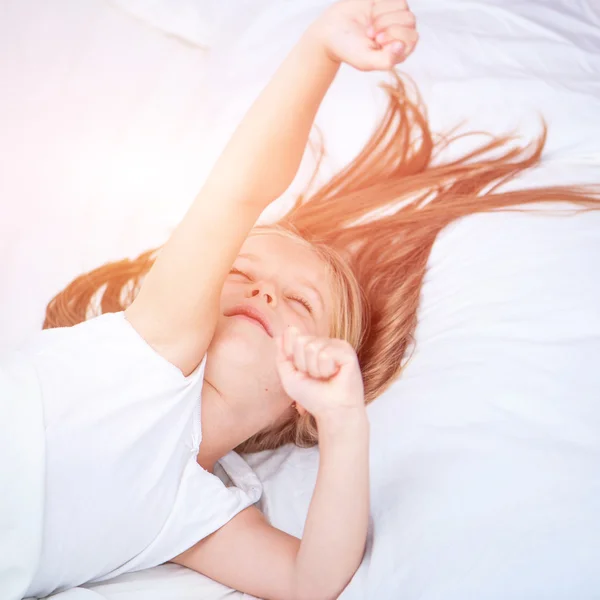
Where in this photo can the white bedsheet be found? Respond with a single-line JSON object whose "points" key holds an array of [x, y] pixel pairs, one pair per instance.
{"points": [[99, 163]]}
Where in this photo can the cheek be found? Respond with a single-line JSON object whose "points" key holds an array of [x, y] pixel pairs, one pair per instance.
{"points": [[229, 293], [305, 325], [323, 325]]}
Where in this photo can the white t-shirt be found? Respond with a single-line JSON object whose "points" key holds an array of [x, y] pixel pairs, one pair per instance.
{"points": [[123, 490]]}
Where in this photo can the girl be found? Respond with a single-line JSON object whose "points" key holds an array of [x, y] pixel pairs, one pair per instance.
{"points": [[346, 263], [127, 483]]}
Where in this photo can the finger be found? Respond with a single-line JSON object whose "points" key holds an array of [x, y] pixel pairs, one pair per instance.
{"points": [[380, 9], [403, 18], [327, 365], [289, 336], [287, 372], [340, 351], [299, 352], [393, 33], [284, 365], [398, 35], [411, 39], [385, 58], [313, 351], [385, 6]]}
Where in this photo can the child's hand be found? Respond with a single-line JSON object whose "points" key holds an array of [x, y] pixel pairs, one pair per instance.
{"points": [[369, 35], [321, 375]]}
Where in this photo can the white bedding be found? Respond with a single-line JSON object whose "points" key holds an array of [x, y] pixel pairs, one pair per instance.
{"points": [[485, 470]]}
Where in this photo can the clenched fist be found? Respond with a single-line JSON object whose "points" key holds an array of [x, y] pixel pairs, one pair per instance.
{"points": [[369, 35], [321, 375]]}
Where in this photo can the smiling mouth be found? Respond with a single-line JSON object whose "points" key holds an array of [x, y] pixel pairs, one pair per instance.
{"points": [[252, 320], [252, 315]]}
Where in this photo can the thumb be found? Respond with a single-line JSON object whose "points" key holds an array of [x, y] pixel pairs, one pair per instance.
{"points": [[386, 57]]}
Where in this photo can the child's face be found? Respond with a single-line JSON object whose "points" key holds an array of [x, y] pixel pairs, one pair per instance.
{"points": [[279, 283], [284, 282]]}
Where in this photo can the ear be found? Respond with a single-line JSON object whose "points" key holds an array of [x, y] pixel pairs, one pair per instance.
{"points": [[300, 409]]}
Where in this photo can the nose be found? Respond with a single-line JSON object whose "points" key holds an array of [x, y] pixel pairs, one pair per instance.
{"points": [[265, 291]]}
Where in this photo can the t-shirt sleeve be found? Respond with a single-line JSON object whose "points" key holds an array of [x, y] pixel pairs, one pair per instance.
{"points": [[110, 400], [93, 372], [100, 380], [203, 505], [122, 429]]}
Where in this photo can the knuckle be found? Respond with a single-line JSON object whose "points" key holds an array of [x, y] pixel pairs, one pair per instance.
{"points": [[316, 346], [381, 22], [310, 344], [342, 346]]}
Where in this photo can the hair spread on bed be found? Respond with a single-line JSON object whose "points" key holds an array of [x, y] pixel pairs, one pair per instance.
{"points": [[380, 216]]}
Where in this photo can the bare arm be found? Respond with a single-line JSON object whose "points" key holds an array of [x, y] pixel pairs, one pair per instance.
{"points": [[176, 308], [247, 553], [334, 536], [251, 556]]}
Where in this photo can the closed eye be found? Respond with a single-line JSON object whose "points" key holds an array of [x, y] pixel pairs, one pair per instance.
{"points": [[234, 271], [303, 302], [299, 299]]}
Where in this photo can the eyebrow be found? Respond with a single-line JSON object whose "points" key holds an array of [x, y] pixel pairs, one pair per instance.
{"points": [[303, 282]]}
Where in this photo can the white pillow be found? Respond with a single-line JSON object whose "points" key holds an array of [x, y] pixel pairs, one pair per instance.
{"points": [[99, 146], [485, 472], [202, 23]]}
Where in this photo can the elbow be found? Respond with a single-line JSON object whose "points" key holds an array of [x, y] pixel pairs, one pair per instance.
{"points": [[320, 591], [320, 595], [327, 582]]}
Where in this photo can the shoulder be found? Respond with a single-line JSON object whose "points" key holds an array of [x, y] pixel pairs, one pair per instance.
{"points": [[102, 368], [107, 341]]}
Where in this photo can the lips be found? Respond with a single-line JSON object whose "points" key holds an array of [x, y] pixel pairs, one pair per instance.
{"points": [[252, 313]]}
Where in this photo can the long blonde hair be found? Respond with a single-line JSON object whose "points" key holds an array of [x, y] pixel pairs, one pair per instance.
{"points": [[374, 223]]}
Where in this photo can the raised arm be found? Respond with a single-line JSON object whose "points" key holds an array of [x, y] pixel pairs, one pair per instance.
{"points": [[323, 377], [176, 308]]}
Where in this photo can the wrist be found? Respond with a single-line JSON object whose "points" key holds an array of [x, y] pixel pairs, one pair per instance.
{"points": [[340, 420], [315, 37]]}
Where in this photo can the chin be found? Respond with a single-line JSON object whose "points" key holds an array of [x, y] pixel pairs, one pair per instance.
{"points": [[242, 342], [242, 359]]}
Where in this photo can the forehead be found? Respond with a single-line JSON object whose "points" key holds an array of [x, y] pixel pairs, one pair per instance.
{"points": [[290, 258], [276, 249]]}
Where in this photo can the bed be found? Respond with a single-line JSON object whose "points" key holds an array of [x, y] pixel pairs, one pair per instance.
{"points": [[485, 454]]}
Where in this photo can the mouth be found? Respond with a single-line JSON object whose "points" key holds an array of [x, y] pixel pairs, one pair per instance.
{"points": [[253, 314]]}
